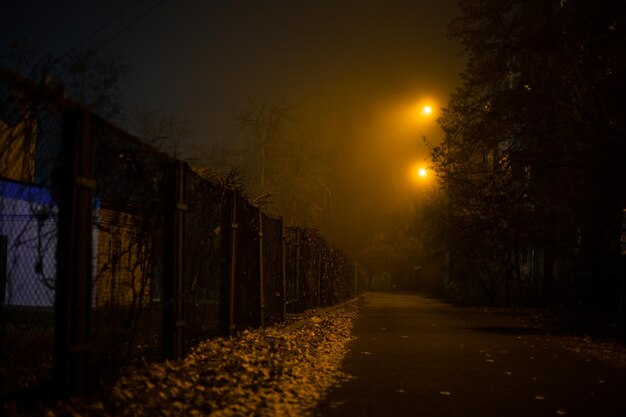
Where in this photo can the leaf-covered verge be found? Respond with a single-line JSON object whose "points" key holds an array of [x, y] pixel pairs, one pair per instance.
{"points": [[278, 371]]}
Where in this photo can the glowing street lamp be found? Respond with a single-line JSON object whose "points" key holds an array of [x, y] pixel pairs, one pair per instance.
{"points": [[419, 174], [425, 109]]}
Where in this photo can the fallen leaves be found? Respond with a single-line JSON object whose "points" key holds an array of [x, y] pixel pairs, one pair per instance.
{"points": [[266, 372]]}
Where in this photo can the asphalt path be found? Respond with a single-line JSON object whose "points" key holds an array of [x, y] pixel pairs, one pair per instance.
{"points": [[414, 356]]}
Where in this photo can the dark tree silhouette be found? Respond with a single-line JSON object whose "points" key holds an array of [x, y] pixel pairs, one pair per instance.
{"points": [[534, 152]]}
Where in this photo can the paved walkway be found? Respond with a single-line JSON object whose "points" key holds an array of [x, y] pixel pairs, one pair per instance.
{"points": [[419, 357]]}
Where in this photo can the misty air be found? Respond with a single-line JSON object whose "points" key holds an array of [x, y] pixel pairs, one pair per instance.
{"points": [[312, 208]]}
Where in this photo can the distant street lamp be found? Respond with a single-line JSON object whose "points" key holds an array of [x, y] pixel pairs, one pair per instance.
{"points": [[421, 115], [419, 174]]}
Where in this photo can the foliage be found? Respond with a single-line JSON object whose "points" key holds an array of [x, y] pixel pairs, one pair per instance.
{"points": [[274, 371], [89, 77], [93, 79], [284, 164], [394, 257], [534, 147], [428, 229], [165, 131]]}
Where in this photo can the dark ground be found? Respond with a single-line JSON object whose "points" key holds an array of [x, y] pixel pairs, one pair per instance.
{"points": [[417, 356]]}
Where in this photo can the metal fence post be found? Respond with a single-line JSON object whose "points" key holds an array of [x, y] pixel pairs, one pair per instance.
{"points": [[261, 265], [173, 286], [3, 267], [74, 254], [297, 274], [319, 276], [233, 264], [283, 268]]}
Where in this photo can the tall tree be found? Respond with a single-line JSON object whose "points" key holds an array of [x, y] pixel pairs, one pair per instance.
{"points": [[263, 125], [168, 132], [533, 148], [90, 77], [285, 163]]}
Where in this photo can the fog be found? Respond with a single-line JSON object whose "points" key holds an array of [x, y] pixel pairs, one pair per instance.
{"points": [[373, 164], [353, 74]]}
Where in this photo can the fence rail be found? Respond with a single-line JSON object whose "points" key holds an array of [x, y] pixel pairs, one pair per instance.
{"points": [[111, 251]]}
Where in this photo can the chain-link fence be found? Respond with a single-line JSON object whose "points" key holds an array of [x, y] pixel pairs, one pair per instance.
{"points": [[292, 270], [30, 129], [247, 298], [206, 268], [273, 308], [111, 251], [310, 268], [316, 273], [128, 238]]}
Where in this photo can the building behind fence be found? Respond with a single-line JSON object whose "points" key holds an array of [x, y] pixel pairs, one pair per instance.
{"points": [[111, 251]]}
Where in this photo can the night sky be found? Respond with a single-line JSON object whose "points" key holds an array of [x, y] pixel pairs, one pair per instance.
{"points": [[354, 72]]}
